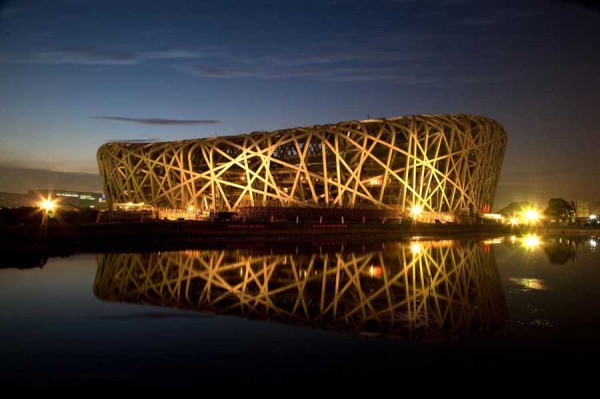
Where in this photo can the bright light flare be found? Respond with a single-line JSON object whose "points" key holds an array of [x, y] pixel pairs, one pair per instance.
{"points": [[531, 241], [375, 271], [415, 248], [513, 221], [531, 215], [47, 205], [416, 210], [530, 283]]}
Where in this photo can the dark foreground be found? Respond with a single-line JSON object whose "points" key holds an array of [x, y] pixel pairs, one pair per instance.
{"points": [[332, 313]]}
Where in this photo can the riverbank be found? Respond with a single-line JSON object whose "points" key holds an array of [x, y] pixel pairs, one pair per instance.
{"points": [[32, 243], [202, 231], [39, 242], [158, 231]]}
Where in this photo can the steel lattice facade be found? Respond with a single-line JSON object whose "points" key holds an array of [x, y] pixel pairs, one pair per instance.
{"points": [[442, 163], [419, 289]]}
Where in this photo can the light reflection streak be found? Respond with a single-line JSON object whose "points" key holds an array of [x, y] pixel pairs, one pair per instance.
{"points": [[437, 292]]}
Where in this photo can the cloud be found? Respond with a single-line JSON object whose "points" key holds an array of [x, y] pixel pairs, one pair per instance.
{"points": [[404, 59], [352, 65], [366, 66], [219, 63], [93, 56], [158, 121]]}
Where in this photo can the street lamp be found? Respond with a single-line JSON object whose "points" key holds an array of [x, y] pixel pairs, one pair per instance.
{"points": [[531, 215], [416, 211], [47, 205]]}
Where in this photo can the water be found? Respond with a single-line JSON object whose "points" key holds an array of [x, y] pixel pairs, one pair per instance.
{"points": [[182, 318]]}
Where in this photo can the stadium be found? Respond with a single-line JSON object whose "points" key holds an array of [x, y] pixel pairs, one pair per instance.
{"points": [[427, 167]]}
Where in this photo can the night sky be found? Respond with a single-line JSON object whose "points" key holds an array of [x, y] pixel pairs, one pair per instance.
{"points": [[75, 74]]}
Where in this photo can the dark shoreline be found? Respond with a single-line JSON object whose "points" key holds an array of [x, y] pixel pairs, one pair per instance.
{"points": [[116, 233], [29, 245]]}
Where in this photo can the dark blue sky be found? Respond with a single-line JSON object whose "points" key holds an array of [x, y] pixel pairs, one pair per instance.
{"points": [[262, 65]]}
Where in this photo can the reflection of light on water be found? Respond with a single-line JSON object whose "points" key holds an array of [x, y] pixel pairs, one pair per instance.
{"points": [[513, 239], [415, 248], [493, 241], [415, 289], [531, 241], [529, 283], [593, 244]]}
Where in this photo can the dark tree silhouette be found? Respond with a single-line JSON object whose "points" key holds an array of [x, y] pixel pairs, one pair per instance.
{"points": [[559, 211]]}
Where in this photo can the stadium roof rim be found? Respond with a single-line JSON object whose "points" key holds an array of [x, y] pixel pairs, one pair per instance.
{"points": [[370, 120]]}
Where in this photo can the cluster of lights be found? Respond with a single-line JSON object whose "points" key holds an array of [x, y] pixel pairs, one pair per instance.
{"points": [[529, 216], [528, 241]]}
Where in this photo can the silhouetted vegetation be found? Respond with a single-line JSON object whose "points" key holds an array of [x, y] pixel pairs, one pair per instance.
{"points": [[559, 211]]}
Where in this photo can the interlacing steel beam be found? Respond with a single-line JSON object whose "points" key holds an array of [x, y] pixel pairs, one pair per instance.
{"points": [[442, 163]]}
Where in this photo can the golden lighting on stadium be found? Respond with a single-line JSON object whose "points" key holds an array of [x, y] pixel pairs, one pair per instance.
{"points": [[326, 166]]}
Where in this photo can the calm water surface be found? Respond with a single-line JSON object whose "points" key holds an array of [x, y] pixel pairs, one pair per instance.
{"points": [[287, 313]]}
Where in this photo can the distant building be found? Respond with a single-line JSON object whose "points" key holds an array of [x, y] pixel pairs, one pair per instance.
{"points": [[515, 208], [76, 199], [520, 213], [582, 211]]}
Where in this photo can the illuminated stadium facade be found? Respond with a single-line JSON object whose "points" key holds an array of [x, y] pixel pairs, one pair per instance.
{"points": [[437, 165]]}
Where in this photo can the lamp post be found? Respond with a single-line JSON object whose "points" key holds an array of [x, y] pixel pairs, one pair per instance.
{"points": [[415, 212], [48, 207]]}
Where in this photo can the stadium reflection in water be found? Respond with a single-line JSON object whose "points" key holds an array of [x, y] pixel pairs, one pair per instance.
{"points": [[409, 290]]}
